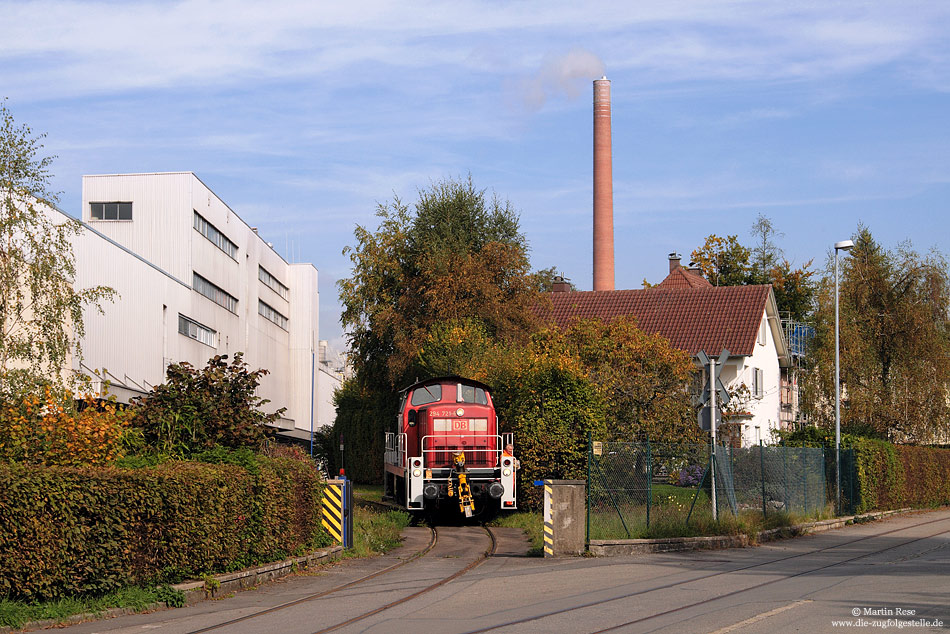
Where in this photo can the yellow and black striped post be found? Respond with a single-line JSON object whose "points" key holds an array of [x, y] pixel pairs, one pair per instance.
{"points": [[548, 519], [337, 511]]}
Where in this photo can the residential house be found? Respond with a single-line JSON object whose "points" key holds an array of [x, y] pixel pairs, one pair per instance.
{"points": [[697, 316]]}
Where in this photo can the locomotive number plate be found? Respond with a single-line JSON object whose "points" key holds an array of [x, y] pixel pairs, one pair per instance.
{"points": [[460, 425]]}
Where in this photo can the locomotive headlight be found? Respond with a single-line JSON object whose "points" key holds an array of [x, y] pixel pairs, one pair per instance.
{"points": [[416, 473], [506, 472]]}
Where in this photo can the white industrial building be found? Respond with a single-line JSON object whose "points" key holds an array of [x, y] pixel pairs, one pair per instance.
{"points": [[194, 280]]}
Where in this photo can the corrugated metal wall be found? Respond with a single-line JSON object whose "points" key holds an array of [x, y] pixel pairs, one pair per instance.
{"points": [[138, 334]]}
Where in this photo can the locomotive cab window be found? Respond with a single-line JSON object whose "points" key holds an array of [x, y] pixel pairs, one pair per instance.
{"points": [[471, 394], [426, 394]]}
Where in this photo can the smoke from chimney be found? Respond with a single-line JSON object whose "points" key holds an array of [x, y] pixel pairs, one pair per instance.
{"points": [[559, 76], [603, 189]]}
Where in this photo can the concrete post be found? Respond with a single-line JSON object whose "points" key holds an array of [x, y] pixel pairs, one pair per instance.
{"points": [[565, 509]]}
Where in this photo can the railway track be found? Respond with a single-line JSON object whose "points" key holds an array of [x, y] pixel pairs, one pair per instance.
{"points": [[749, 588], [476, 557]]}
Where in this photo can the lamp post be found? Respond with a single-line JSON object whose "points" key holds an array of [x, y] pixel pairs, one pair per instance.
{"points": [[844, 245]]}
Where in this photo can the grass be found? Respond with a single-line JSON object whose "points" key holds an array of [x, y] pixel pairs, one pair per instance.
{"points": [[376, 532], [15, 614], [371, 492], [530, 523], [670, 521]]}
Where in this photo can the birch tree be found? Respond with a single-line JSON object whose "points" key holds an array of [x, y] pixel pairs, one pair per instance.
{"points": [[41, 312]]}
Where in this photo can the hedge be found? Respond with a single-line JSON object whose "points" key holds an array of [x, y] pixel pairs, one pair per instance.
{"points": [[893, 476], [68, 531]]}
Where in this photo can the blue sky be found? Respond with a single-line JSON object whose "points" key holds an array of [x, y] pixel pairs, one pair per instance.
{"points": [[303, 115]]}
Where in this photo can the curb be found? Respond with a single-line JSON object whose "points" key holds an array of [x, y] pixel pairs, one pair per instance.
{"points": [[613, 547], [195, 591], [607, 548]]}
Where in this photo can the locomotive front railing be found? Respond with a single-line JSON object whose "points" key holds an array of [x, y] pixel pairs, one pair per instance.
{"points": [[476, 456], [395, 452]]}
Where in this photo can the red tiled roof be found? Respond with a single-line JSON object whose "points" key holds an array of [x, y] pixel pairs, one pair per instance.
{"points": [[710, 318], [681, 277]]}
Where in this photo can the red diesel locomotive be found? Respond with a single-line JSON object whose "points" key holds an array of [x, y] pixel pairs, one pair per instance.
{"points": [[446, 450]]}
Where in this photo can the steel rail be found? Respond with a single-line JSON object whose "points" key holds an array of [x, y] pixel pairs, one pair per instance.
{"points": [[317, 595], [667, 586], [481, 559]]}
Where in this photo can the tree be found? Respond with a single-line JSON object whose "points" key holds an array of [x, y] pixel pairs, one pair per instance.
{"points": [[723, 261], [726, 262], [794, 289], [41, 312], [765, 254], [895, 343], [641, 378], [459, 255], [198, 410]]}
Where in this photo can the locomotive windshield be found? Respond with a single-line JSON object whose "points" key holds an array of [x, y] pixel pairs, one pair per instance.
{"points": [[471, 394], [427, 394]]}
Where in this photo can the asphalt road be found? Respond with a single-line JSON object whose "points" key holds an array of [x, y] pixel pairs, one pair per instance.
{"points": [[893, 574]]}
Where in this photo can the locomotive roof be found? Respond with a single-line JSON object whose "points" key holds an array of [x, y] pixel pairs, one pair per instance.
{"points": [[441, 379]]}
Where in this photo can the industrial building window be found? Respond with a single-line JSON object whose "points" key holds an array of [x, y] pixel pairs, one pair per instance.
{"points": [[217, 238], [757, 390], [270, 314], [196, 331], [272, 282], [215, 294], [110, 211]]}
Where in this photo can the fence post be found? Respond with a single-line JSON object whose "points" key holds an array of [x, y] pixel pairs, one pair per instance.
{"points": [[649, 481], [590, 455], [762, 476], [785, 476], [712, 475], [804, 462]]}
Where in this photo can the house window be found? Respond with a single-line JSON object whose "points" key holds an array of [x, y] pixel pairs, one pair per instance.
{"points": [[196, 331], [272, 315], [762, 332], [217, 238], [214, 293], [272, 282], [110, 211], [757, 389]]}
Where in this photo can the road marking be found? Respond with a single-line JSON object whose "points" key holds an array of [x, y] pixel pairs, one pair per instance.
{"points": [[761, 617]]}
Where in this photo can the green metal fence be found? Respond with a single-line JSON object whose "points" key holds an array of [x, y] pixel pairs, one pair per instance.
{"points": [[641, 489]]}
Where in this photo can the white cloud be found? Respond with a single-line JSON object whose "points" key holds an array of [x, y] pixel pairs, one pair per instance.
{"points": [[62, 48]]}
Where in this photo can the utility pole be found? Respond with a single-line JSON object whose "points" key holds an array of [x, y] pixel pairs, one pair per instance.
{"points": [[712, 427]]}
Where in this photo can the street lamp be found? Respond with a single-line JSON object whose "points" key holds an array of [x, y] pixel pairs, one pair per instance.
{"points": [[844, 245]]}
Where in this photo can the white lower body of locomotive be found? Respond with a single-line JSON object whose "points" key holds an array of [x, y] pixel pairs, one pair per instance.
{"points": [[483, 481]]}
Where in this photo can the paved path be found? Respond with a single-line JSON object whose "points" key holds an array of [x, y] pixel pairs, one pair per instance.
{"points": [[807, 584]]}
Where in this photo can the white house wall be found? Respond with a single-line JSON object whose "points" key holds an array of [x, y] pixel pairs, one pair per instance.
{"points": [[764, 410], [138, 335]]}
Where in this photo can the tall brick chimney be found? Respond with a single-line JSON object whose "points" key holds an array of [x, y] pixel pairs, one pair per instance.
{"points": [[603, 190]]}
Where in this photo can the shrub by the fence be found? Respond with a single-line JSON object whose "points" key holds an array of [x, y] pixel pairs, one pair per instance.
{"points": [[73, 531], [893, 476], [880, 475], [926, 475]]}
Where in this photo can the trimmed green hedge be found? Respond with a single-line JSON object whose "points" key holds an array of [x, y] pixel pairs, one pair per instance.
{"points": [[83, 531], [926, 475], [894, 476]]}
